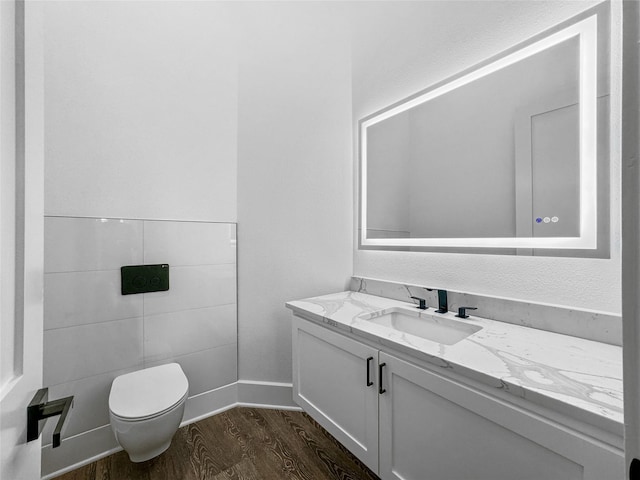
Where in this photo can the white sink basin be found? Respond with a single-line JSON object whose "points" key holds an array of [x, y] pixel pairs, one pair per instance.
{"points": [[435, 327]]}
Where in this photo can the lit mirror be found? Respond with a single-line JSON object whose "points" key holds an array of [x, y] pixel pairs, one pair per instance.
{"points": [[504, 155]]}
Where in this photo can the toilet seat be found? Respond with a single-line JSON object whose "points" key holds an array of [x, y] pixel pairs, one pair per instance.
{"points": [[152, 416], [148, 393]]}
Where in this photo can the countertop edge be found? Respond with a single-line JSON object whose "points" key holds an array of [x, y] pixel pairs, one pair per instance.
{"points": [[577, 413]]}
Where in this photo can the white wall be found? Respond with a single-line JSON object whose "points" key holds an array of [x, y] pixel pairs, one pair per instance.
{"points": [[402, 47], [294, 174], [141, 128], [141, 103], [147, 97]]}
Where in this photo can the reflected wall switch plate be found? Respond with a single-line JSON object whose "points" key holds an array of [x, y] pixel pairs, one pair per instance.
{"points": [[144, 278]]}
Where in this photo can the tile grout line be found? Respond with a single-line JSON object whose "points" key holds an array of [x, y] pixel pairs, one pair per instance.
{"points": [[237, 306], [126, 369], [132, 367], [141, 316], [190, 309], [137, 219], [144, 356], [182, 355], [92, 323], [117, 269]]}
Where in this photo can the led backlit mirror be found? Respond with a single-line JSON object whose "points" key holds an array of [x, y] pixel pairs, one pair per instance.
{"points": [[501, 156]]}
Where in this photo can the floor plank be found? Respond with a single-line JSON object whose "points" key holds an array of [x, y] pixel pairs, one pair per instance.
{"points": [[311, 438], [240, 444]]}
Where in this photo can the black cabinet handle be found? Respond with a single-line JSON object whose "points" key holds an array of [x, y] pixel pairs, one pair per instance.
{"points": [[634, 469], [369, 382], [380, 367]]}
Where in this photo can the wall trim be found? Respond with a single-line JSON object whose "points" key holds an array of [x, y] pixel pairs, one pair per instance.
{"points": [[77, 451], [142, 219], [88, 447], [210, 403], [266, 395]]}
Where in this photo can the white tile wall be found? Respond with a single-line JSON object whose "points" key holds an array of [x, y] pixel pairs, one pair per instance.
{"points": [[189, 243], [179, 333], [93, 333], [79, 298], [207, 369], [77, 352], [194, 287], [84, 244], [91, 403]]}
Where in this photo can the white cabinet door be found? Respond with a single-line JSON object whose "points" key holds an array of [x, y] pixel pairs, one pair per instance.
{"points": [[434, 428], [334, 381]]}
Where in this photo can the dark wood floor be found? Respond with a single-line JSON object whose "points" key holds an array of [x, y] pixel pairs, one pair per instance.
{"points": [[240, 444]]}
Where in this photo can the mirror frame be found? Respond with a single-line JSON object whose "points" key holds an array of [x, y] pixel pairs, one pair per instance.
{"points": [[586, 30]]}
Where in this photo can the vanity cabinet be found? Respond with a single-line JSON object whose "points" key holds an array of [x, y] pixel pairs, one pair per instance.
{"points": [[335, 381], [433, 427], [415, 423]]}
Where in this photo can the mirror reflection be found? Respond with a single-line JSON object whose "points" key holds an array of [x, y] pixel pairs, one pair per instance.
{"points": [[506, 152], [497, 157]]}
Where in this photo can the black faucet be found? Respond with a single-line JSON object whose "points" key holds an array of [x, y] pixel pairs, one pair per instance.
{"points": [[462, 311], [443, 306], [422, 301]]}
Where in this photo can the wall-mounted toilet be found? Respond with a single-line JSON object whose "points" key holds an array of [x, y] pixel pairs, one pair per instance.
{"points": [[146, 409]]}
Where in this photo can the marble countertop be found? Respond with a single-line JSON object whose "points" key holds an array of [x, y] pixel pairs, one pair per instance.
{"points": [[578, 377]]}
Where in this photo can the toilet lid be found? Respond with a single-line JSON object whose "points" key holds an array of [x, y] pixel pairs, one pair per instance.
{"points": [[148, 392]]}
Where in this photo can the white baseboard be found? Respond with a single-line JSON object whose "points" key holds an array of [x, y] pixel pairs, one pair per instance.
{"points": [[210, 403], [88, 447], [266, 395], [79, 450]]}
